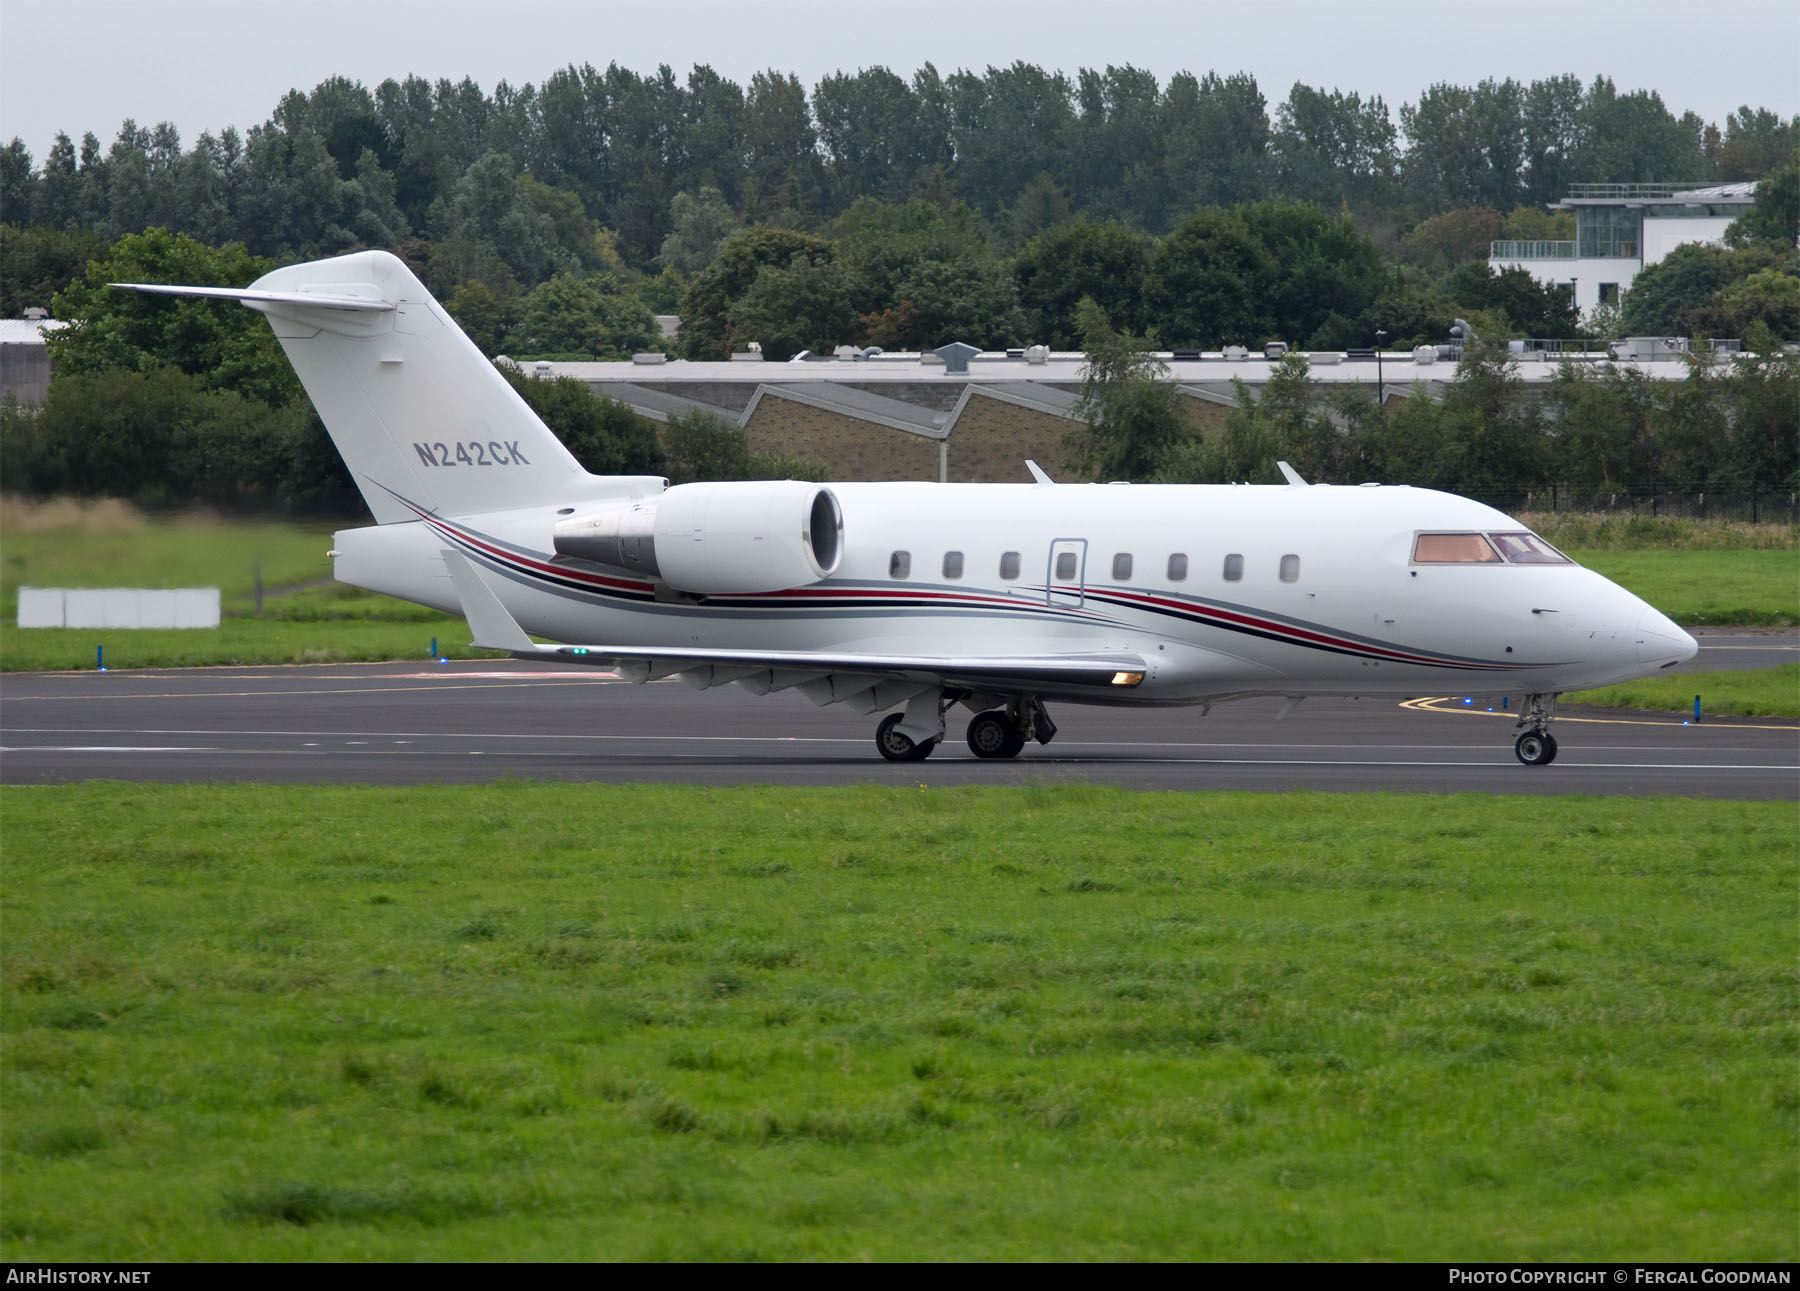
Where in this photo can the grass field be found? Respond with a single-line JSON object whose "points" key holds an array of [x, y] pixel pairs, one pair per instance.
{"points": [[1698, 588], [1065, 1022], [1767, 692]]}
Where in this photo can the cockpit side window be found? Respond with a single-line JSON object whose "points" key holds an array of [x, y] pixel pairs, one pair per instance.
{"points": [[1528, 549], [1453, 549]]}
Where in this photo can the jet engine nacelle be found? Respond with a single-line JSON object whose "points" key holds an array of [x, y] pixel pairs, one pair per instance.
{"points": [[715, 539]]}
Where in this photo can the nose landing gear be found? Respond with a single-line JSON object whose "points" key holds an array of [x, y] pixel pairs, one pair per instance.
{"points": [[1536, 747]]}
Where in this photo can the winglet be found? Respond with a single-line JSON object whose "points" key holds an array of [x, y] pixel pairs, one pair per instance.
{"points": [[1038, 473], [492, 626], [1289, 474]]}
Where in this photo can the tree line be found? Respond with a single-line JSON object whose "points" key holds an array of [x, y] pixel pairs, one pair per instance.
{"points": [[557, 221], [1731, 426], [1023, 146]]}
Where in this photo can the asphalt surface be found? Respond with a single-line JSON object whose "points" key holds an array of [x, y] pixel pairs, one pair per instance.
{"points": [[413, 723]]}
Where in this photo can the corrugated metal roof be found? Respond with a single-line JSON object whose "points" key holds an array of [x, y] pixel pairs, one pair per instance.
{"points": [[28, 331], [851, 402]]}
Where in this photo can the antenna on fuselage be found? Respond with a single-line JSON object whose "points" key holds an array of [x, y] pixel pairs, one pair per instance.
{"points": [[1038, 473], [1292, 476]]}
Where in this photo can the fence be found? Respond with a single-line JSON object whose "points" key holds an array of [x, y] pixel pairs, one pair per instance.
{"points": [[1757, 505]]}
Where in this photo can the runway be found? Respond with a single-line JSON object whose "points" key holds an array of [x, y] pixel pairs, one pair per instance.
{"points": [[416, 723]]}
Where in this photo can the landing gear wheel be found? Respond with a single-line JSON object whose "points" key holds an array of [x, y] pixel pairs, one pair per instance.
{"points": [[896, 747], [992, 735], [1536, 748]]}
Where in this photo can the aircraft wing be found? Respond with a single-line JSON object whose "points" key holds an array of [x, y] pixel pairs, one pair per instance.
{"points": [[872, 680]]}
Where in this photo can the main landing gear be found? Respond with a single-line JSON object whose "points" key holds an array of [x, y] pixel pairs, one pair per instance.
{"points": [[996, 733], [1536, 747]]}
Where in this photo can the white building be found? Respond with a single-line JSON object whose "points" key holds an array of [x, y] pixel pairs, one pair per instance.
{"points": [[1620, 229]]}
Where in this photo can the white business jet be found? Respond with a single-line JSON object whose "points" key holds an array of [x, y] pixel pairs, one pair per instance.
{"points": [[910, 598]]}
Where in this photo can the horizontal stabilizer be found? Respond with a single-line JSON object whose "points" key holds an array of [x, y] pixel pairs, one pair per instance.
{"points": [[492, 626], [253, 298]]}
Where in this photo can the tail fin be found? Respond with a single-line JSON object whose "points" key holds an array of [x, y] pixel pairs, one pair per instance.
{"points": [[418, 414]]}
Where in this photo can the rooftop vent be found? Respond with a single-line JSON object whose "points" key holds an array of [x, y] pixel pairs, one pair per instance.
{"points": [[1274, 349], [1235, 352], [649, 358], [956, 356], [1037, 353]]}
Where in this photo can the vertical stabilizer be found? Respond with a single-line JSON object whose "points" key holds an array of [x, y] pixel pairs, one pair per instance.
{"points": [[416, 410]]}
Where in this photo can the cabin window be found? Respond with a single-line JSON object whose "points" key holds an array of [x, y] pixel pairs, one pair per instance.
{"points": [[1065, 565], [1009, 564], [1234, 568], [1453, 549], [953, 564], [900, 565], [1528, 549], [1290, 569], [1122, 567], [1178, 567]]}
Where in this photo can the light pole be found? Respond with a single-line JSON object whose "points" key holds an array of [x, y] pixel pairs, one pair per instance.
{"points": [[1380, 394]]}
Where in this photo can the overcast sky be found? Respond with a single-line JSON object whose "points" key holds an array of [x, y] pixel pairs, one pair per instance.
{"points": [[78, 65]]}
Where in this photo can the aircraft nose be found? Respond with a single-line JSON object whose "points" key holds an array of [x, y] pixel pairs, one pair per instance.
{"points": [[1660, 642]]}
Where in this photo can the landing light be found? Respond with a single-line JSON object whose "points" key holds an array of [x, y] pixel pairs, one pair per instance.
{"points": [[1127, 678]]}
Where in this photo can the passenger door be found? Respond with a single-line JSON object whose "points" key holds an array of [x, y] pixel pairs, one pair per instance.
{"points": [[1065, 574]]}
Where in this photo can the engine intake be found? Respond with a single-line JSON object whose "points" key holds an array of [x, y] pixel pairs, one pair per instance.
{"points": [[718, 538]]}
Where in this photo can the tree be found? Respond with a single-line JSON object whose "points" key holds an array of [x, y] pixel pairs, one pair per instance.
{"points": [[17, 183], [1774, 217], [39, 262], [1335, 150], [588, 316], [1467, 145], [222, 344], [1454, 238], [1530, 308], [606, 437], [1635, 137], [1135, 421], [1665, 296], [1098, 259], [1754, 143], [1286, 423], [805, 306], [707, 305], [702, 221], [1209, 282], [700, 446]]}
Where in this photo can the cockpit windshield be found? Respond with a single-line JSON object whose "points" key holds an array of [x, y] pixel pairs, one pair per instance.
{"points": [[1513, 548], [1453, 549], [1528, 549]]}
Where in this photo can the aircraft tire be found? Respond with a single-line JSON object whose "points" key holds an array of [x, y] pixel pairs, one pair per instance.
{"points": [[991, 735], [896, 747], [1536, 748]]}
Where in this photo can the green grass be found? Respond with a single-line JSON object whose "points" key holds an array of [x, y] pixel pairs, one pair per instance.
{"points": [[1707, 587], [1063, 1022], [306, 617], [1767, 692], [108, 544]]}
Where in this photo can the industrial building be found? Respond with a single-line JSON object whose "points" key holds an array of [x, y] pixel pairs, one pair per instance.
{"points": [[958, 414]]}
